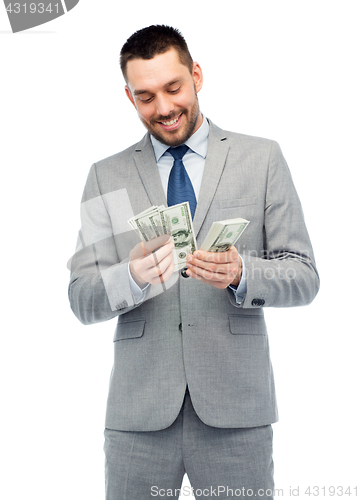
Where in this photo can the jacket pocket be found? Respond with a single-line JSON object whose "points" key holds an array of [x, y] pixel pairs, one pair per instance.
{"points": [[247, 324], [236, 203], [129, 329]]}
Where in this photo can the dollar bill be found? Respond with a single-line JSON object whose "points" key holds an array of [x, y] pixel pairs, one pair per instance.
{"points": [[224, 234], [147, 224], [176, 221]]}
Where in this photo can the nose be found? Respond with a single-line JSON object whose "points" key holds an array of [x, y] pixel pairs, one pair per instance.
{"points": [[164, 105]]}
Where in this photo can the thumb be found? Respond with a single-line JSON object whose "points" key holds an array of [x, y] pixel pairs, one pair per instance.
{"points": [[146, 247]]}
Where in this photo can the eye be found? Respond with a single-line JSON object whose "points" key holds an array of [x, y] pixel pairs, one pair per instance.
{"points": [[174, 91], [146, 100]]}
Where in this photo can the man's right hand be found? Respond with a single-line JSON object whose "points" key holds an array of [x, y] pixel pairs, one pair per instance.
{"points": [[152, 261]]}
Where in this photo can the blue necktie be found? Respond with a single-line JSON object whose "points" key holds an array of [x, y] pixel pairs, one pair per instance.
{"points": [[180, 187]]}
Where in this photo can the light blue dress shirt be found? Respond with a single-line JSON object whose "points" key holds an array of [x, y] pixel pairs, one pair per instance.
{"points": [[194, 161]]}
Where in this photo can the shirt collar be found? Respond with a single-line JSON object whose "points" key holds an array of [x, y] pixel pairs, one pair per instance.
{"points": [[198, 142]]}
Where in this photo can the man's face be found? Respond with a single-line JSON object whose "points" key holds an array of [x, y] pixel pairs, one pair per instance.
{"points": [[164, 93]]}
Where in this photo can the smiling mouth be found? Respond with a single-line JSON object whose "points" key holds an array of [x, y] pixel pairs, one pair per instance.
{"points": [[171, 124]]}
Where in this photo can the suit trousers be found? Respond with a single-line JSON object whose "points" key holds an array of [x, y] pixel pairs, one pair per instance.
{"points": [[220, 463]]}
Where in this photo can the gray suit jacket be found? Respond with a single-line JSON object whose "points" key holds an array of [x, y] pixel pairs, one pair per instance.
{"points": [[193, 333]]}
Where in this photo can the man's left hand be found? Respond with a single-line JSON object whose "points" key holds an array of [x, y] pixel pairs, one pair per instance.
{"points": [[218, 269]]}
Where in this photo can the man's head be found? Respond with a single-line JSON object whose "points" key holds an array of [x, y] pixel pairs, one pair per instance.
{"points": [[162, 83], [151, 41]]}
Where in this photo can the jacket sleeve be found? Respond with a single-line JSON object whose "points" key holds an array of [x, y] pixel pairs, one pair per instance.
{"points": [[284, 273], [99, 287]]}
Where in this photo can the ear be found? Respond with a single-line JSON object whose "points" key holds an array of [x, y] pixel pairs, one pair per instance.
{"points": [[197, 76], [129, 95]]}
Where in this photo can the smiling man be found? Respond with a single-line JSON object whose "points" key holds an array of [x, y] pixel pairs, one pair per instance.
{"points": [[164, 93], [192, 387]]}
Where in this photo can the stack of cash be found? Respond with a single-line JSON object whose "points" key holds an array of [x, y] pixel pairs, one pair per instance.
{"points": [[176, 221], [223, 234]]}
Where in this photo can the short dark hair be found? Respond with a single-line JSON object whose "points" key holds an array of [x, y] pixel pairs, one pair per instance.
{"points": [[151, 41]]}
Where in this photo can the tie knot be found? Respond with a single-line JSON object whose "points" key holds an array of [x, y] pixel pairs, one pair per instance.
{"points": [[179, 151]]}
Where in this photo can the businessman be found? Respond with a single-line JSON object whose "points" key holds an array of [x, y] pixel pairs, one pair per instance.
{"points": [[192, 387]]}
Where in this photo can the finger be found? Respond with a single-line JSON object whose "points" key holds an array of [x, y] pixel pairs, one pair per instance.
{"points": [[165, 275], [153, 259], [155, 243], [151, 274], [159, 270], [218, 257], [209, 273], [160, 267], [145, 248], [217, 272], [164, 251], [215, 283], [162, 272], [213, 267], [202, 264], [169, 271]]}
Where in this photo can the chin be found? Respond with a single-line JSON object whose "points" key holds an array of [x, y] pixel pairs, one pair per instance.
{"points": [[169, 141], [167, 138], [176, 138]]}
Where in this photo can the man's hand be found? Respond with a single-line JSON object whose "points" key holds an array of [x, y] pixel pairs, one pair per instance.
{"points": [[218, 269], [152, 261]]}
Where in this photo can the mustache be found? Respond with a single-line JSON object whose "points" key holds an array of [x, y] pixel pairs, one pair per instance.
{"points": [[167, 118]]}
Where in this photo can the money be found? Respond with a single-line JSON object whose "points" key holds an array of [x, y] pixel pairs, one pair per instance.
{"points": [[223, 234], [176, 221], [148, 224]]}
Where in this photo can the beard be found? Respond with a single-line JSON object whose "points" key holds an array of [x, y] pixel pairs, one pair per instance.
{"points": [[176, 137]]}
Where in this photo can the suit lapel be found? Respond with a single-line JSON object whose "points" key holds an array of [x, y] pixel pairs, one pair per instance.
{"points": [[148, 171], [216, 158]]}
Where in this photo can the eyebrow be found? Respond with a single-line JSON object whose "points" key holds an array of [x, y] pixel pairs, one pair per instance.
{"points": [[169, 84]]}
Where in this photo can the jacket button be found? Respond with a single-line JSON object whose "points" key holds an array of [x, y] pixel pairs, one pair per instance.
{"points": [[258, 302], [122, 305], [183, 272]]}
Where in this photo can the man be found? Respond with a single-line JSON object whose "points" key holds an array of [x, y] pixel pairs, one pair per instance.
{"points": [[192, 385]]}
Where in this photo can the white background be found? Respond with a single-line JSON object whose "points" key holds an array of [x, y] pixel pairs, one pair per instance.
{"points": [[285, 70]]}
